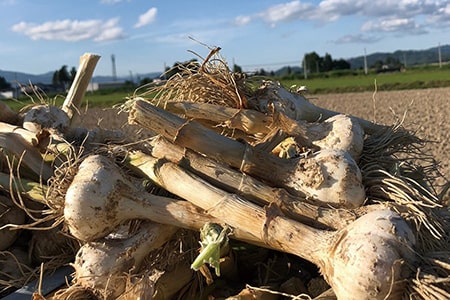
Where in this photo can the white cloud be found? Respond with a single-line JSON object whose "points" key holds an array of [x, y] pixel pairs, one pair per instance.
{"points": [[242, 20], [146, 18], [286, 12], [379, 8], [356, 38], [72, 30], [332, 10], [406, 17], [335, 9], [393, 25]]}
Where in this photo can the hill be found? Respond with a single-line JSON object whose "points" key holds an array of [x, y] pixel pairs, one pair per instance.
{"points": [[46, 78], [25, 78], [407, 57]]}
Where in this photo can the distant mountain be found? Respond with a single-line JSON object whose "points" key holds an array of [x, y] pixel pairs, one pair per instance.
{"points": [[25, 78], [408, 57], [285, 70], [46, 78]]}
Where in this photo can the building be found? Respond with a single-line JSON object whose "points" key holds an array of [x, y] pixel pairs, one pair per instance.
{"points": [[95, 86]]}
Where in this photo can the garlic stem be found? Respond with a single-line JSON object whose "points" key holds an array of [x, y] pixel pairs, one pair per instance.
{"points": [[330, 177], [100, 198]]}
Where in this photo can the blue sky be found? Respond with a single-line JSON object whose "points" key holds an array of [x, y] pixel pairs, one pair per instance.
{"points": [[38, 36]]}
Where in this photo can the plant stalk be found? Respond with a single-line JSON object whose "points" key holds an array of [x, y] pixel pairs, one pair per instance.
{"points": [[373, 253], [304, 177], [246, 186], [26, 153], [74, 98], [101, 195]]}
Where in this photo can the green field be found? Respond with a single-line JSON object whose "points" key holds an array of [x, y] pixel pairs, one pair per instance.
{"points": [[414, 78], [409, 79], [92, 99]]}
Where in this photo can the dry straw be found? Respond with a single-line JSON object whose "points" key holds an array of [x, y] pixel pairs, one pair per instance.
{"points": [[209, 82]]}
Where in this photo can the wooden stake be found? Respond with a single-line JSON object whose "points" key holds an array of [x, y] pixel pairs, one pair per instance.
{"points": [[72, 103]]}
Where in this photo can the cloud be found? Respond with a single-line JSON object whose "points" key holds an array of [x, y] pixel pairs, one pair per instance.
{"points": [[393, 25], [356, 39], [72, 30], [407, 17], [441, 17], [242, 20], [289, 11], [379, 8], [147, 18], [332, 10]]}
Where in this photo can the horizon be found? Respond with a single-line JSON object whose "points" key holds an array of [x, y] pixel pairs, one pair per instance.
{"points": [[146, 38]]}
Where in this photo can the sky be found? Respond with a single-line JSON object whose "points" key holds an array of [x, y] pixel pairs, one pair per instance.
{"points": [[39, 36]]}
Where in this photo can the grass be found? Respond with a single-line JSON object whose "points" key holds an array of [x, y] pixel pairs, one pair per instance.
{"points": [[106, 100], [409, 79], [92, 99]]}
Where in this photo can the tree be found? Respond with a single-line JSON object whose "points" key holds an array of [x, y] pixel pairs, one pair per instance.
{"points": [[327, 63], [378, 64], [62, 77], [315, 63], [261, 72], [392, 62], [237, 69], [73, 73], [311, 61], [341, 64], [180, 66], [4, 85]]}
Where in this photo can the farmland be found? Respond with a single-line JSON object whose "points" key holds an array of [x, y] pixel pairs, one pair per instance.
{"points": [[423, 111], [417, 78]]}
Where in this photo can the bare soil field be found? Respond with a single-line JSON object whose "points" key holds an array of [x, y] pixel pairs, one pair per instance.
{"points": [[425, 112]]}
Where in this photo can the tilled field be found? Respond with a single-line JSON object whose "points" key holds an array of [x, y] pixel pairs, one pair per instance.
{"points": [[424, 111]]}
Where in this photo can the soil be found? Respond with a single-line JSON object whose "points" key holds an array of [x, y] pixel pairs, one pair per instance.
{"points": [[425, 112]]}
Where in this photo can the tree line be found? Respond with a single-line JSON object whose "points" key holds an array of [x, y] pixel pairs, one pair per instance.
{"points": [[63, 78], [317, 64]]}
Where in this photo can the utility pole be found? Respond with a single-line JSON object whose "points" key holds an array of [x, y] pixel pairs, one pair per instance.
{"points": [[440, 57], [114, 74], [131, 76], [305, 71], [365, 62]]}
